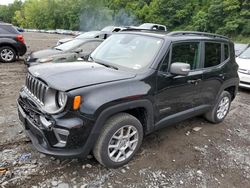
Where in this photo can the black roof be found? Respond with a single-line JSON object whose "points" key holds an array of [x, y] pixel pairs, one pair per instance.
{"points": [[179, 35]]}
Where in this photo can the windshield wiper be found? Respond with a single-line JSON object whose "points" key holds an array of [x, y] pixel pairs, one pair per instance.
{"points": [[104, 64], [109, 66]]}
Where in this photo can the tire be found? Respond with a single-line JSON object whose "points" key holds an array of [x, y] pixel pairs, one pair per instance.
{"points": [[7, 54], [111, 136], [213, 115]]}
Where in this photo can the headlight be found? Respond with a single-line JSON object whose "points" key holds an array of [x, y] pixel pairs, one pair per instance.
{"points": [[61, 98], [45, 60]]}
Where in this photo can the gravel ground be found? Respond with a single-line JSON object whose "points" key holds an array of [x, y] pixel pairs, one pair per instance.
{"points": [[181, 155]]}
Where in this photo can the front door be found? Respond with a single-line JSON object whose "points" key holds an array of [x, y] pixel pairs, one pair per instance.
{"points": [[179, 93]]}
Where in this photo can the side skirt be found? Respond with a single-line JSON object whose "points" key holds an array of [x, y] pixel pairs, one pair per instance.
{"points": [[169, 120]]}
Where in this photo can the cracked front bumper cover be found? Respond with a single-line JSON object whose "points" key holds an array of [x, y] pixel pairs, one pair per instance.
{"points": [[41, 143]]}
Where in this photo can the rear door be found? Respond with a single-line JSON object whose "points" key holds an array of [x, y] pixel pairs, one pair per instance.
{"points": [[216, 55]]}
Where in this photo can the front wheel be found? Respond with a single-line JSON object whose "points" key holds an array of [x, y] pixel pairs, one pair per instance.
{"points": [[218, 113], [119, 140]]}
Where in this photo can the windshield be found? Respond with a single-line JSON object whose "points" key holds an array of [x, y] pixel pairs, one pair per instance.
{"points": [[128, 50], [91, 34], [146, 26], [239, 48], [69, 45], [245, 54], [108, 28]]}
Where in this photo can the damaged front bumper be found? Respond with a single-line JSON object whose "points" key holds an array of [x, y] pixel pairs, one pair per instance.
{"points": [[65, 135]]}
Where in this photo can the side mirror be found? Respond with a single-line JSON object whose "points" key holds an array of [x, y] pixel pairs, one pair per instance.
{"points": [[182, 69]]}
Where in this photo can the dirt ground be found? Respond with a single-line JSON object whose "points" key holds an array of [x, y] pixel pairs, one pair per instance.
{"points": [[176, 156]]}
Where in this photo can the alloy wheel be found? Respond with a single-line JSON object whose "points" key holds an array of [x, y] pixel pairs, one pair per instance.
{"points": [[123, 143]]}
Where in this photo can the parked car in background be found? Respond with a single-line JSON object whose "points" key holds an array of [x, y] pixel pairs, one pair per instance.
{"points": [[239, 48], [88, 35], [149, 26], [69, 51], [12, 44], [153, 26], [243, 61], [113, 29], [137, 83]]}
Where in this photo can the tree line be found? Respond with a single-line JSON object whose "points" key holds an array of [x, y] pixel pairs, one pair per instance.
{"points": [[227, 17]]}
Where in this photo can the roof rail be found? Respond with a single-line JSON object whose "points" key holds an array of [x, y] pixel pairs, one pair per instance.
{"points": [[140, 29], [176, 33]]}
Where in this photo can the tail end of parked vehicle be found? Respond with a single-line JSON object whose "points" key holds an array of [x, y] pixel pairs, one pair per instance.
{"points": [[20, 38]]}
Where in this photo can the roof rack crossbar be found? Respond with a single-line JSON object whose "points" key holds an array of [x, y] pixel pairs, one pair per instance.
{"points": [[196, 33]]}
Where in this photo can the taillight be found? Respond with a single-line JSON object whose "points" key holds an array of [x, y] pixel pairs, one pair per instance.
{"points": [[20, 38]]}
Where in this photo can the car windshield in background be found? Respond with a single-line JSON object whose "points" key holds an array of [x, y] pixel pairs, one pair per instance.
{"points": [[128, 50], [108, 29], [90, 34], [146, 26], [69, 45], [245, 54], [239, 48]]}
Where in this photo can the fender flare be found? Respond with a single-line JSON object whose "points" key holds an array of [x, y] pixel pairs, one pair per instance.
{"points": [[229, 83], [108, 112]]}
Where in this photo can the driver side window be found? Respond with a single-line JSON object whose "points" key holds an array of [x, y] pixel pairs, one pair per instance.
{"points": [[186, 52]]}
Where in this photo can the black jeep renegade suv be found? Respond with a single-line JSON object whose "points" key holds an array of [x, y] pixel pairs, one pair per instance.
{"points": [[135, 83]]}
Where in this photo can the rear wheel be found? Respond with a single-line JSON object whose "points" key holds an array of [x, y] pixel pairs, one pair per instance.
{"points": [[120, 139], [7, 54], [218, 113]]}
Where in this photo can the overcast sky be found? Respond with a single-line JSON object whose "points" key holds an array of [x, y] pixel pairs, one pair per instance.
{"points": [[6, 2]]}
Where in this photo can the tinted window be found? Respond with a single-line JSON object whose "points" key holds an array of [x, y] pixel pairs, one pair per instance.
{"points": [[7, 29], [226, 51], [186, 53], [161, 28], [212, 54]]}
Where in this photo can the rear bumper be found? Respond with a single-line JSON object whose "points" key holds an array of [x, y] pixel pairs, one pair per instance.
{"points": [[64, 137], [21, 49]]}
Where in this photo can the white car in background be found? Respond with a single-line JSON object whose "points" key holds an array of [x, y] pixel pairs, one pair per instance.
{"points": [[243, 61], [239, 48]]}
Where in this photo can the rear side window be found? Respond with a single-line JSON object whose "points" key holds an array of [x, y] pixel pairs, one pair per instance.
{"points": [[7, 29], [212, 54], [226, 51], [187, 52]]}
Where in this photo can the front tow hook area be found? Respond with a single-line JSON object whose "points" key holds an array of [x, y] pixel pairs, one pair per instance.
{"points": [[47, 124]]}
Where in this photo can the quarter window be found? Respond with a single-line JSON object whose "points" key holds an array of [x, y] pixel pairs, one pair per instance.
{"points": [[212, 54], [186, 53]]}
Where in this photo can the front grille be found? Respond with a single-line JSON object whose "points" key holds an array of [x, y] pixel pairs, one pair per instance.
{"points": [[36, 88]]}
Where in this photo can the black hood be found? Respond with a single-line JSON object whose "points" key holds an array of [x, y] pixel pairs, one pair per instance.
{"points": [[44, 53], [68, 76]]}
